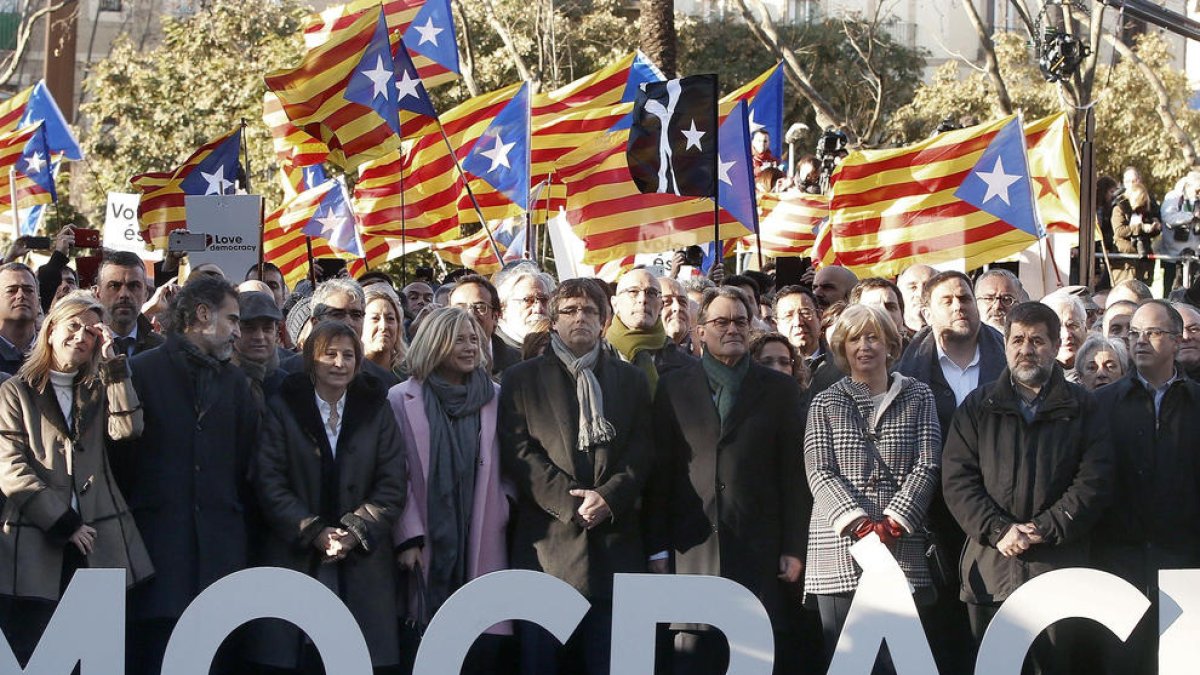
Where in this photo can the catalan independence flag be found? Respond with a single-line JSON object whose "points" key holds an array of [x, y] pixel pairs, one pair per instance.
{"points": [[312, 213], [34, 105], [964, 194], [344, 93], [1054, 171], [788, 223], [25, 151], [474, 251], [211, 170]]}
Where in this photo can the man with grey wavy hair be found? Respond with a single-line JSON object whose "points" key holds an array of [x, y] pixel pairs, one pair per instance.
{"points": [[524, 296], [996, 291]]}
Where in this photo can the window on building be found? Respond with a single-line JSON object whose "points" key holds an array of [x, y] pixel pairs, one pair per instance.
{"points": [[110, 5], [803, 11], [10, 20]]}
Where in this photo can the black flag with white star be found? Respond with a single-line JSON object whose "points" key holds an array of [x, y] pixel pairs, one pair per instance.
{"points": [[673, 140]]}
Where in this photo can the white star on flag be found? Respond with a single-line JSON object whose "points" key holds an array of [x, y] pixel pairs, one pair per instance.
{"points": [[329, 224], [498, 154], [407, 86], [693, 137], [998, 182], [755, 126], [35, 163], [379, 77], [429, 32], [723, 168], [216, 181]]}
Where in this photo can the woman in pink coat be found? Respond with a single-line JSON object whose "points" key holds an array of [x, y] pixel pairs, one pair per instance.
{"points": [[453, 528]]}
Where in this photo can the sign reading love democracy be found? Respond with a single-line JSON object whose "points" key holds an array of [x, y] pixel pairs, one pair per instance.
{"points": [[233, 224]]}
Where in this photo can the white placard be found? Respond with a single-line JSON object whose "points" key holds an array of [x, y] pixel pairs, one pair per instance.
{"points": [[233, 225], [121, 231]]}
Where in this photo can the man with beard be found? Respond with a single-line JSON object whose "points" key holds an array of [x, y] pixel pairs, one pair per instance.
{"points": [[911, 282], [1027, 471], [1073, 318], [256, 346], [954, 355], [186, 477], [637, 330], [1189, 344], [1153, 420], [121, 288], [18, 314], [735, 502], [524, 294], [996, 291], [575, 440], [676, 313]]}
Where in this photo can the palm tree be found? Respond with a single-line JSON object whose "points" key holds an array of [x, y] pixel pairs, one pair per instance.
{"points": [[657, 28]]}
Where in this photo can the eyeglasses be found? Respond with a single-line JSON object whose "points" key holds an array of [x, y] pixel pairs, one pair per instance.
{"points": [[341, 314], [675, 299], [1006, 300], [1136, 334], [723, 323], [782, 361], [587, 310], [806, 314], [476, 308], [1073, 326], [530, 300], [651, 293]]}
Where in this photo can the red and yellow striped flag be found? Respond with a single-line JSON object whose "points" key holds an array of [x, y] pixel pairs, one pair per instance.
{"points": [[1054, 171], [474, 251], [788, 223], [312, 96], [934, 201], [291, 144], [12, 110]]}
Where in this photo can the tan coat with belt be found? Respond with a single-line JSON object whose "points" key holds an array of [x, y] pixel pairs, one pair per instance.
{"points": [[44, 462]]}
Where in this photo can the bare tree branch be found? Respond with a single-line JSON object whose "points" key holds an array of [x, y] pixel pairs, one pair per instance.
{"points": [[509, 46], [1003, 104], [468, 51], [1163, 107], [764, 29], [11, 63]]}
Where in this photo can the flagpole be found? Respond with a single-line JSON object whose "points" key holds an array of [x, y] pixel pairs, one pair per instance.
{"points": [[312, 266], [262, 206], [530, 242], [716, 171], [12, 193], [470, 193], [403, 229], [546, 221]]}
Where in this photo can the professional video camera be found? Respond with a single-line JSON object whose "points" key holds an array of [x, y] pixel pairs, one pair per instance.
{"points": [[831, 147], [1060, 53]]}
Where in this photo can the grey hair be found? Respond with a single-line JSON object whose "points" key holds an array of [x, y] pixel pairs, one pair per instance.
{"points": [[1098, 343], [338, 286], [505, 280], [1056, 301], [698, 285], [995, 272]]}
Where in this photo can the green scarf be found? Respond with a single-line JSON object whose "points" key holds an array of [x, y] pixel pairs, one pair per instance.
{"points": [[725, 382], [635, 345]]}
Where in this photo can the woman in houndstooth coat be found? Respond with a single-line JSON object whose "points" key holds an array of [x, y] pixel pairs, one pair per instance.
{"points": [[853, 493]]}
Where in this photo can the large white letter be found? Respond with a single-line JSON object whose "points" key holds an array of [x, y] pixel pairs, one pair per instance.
{"points": [[492, 598], [260, 593], [640, 601], [1178, 621], [88, 627], [883, 608], [1057, 595]]}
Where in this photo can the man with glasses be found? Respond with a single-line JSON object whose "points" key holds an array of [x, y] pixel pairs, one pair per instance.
{"points": [[1153, 418], [1189, 345], [1073, 319], [478, 296], [996, 291], [637, 330], [340, 300], [524, 293], [575, 440], [735, 502]]}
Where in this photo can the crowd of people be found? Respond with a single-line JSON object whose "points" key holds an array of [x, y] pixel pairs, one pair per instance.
{"points": [[395, 444]]}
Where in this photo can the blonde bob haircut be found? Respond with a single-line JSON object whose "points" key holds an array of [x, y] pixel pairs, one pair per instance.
{"points": [[37, 367], [857, 320], [435, 340]]}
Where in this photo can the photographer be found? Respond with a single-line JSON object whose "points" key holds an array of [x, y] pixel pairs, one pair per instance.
{"points": [[831, 149], [1135, 224], [1181, 227], [55, 278]]}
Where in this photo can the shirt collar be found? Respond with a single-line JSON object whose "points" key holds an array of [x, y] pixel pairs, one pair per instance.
{"points": [[943, 358], [323, 407], [1175, 377]]}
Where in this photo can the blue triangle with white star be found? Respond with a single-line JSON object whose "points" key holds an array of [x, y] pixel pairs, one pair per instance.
{"points": [[410, 90], [217, 173], [373, 83], [431, 34], [735, 179], [35, 162], [999, 182], [42, 107], [334, 222], [501, 155]]}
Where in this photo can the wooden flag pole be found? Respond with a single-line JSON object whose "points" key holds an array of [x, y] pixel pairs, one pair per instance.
{"points": [[403, 231], [471, 194], [716, 171], [312, 266]]}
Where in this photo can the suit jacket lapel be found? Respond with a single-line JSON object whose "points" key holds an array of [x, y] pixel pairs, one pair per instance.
{"points": [[51, 412], [696, 399], [555, 379]]}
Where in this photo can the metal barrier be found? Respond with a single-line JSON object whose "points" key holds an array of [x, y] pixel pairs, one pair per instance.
{"points": [[1188, 260]]}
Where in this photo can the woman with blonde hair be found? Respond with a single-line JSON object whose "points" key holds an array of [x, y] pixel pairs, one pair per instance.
{"points": [[872, 451], [63, 511], [453, 529], [383, 330]]}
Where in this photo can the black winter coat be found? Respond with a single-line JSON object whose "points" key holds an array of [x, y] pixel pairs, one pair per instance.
{"points": [[998, 470], [1154, 520], [187, 478]]}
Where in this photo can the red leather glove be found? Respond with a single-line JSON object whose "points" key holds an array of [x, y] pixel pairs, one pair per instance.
{"points": [[863, 529]]}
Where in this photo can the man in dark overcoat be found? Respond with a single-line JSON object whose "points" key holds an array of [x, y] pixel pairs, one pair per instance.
{"points": [[186, 479], [575, 440]]}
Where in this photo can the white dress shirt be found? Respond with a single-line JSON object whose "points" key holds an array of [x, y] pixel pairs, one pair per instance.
{"points": [[962, 381], [332, 433]]}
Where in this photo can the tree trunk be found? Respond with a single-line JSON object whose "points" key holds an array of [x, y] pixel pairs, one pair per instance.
{"points": [[1186, 146], [467, 44], [10, 65], [509, 46], [657, 28], [1003, 104], [764, 29]]}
